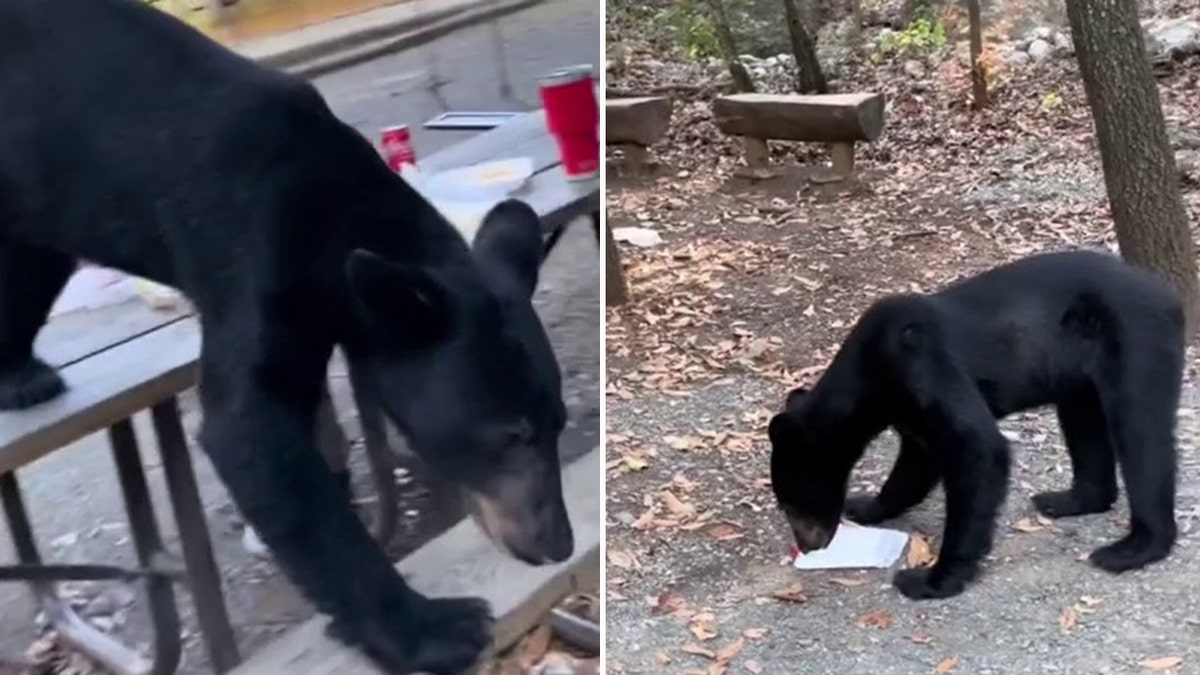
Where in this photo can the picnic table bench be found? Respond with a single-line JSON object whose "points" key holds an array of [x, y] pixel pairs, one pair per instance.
{"points": [[121, 360]]}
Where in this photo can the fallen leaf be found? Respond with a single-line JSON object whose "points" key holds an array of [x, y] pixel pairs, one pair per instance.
{"points": [[697, 650], [1067, 620], [634, 462], [920, 553], [621, 559], [849, 583], [793, 593], [752, 667], [669, 603], [1162, 663], [662, 658], [946, 665], [676, 505], [724, 532], [1028, 525], [682, 443], [535, 646], [754, 633], [729, 651], [877, 619], [920, 638], [1090, 601]]}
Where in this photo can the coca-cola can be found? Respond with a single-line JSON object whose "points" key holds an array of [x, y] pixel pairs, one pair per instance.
{"points": [[397, 146]]}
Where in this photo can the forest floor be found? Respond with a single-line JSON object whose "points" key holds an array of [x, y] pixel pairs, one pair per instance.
{"points": [[749, 294]]}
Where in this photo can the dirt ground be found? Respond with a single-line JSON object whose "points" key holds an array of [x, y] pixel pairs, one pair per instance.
{"points": [[750, 293]]}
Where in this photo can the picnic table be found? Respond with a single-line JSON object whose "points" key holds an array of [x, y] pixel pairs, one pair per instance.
{"points": [[123, 359]]}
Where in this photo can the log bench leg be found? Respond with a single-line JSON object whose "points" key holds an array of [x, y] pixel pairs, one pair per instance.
{"points": [[842, 156], [203, 575], [71, 629], [616, 292], [756, 152], [635, 158]]}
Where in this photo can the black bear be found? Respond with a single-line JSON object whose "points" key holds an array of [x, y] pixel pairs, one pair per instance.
{"points": [[131, 140], [1101, 341]]}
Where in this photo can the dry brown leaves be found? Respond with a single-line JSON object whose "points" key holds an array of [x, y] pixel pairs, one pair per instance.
{"points": [[920, 553], [1163, 663], [878, 618], [793, 592]]}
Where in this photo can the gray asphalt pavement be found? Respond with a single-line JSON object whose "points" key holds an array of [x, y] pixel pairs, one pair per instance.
{"points": [[76, 504]]}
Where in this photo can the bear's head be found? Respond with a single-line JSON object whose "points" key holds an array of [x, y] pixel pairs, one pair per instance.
{"points": [[808, 472], [463, 367]]}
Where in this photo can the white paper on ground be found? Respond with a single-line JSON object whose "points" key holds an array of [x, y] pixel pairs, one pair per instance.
{"points": [[855, 546]]}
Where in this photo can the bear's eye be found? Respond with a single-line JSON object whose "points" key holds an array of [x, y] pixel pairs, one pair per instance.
{"points": [[518, 434]]}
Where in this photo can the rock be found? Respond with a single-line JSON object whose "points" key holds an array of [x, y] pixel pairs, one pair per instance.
{"points": [[1045, 33], [894, 13], [1178, 38], [836, 42], [1063, 44], [1019, 57], [1040, 50], [914, 69], [1183, 138]]}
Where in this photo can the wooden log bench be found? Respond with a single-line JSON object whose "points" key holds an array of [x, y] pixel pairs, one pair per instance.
{"points": [[839, 120], [634, 124]]}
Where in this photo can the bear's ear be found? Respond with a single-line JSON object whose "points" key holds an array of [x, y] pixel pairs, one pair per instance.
{"points": [[784, 431], [405, 304], [509, 243], [795, 398]]}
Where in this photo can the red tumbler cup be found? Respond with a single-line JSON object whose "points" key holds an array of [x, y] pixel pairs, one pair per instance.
{"points": [[573, 118]]}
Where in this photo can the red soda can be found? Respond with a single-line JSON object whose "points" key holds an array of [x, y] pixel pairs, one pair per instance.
{"points": [[397, 147], [573, 118]]}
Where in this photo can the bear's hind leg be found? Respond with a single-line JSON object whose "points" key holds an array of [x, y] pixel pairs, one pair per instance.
{"points": [[30, 280], [912, 479], [1140, 409], [1093, 463]]}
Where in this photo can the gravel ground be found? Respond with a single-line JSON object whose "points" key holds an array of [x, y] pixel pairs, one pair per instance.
{"points": [[1037, 608]]}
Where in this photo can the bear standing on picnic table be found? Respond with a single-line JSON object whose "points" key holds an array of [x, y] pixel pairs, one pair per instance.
{"points": [[131, 140], [1101, 341]]}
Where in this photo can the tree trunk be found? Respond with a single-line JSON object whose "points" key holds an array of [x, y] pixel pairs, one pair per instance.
{"points": [[741, 77], [979, 93], [1139, 168], [809, 78]]}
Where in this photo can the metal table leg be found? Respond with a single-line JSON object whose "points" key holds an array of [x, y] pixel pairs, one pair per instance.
{"points": [[71, 629], [148, 542], [203, 575]]}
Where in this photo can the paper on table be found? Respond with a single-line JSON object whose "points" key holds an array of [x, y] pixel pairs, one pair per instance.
{"points": [[855, 546], [464, 196]]}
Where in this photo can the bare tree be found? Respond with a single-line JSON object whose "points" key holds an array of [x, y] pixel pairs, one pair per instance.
{"points": [[1139, 168], [979, 92], [809, 78], [741, 77]]}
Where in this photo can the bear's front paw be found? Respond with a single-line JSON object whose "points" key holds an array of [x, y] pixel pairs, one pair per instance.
{"points": [[866, 510], [444, 636], [928, 584], [28, 384]]}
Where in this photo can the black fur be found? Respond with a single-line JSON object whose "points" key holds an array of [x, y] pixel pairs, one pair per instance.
{"points": [[1101, 341], [128, 139]]}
